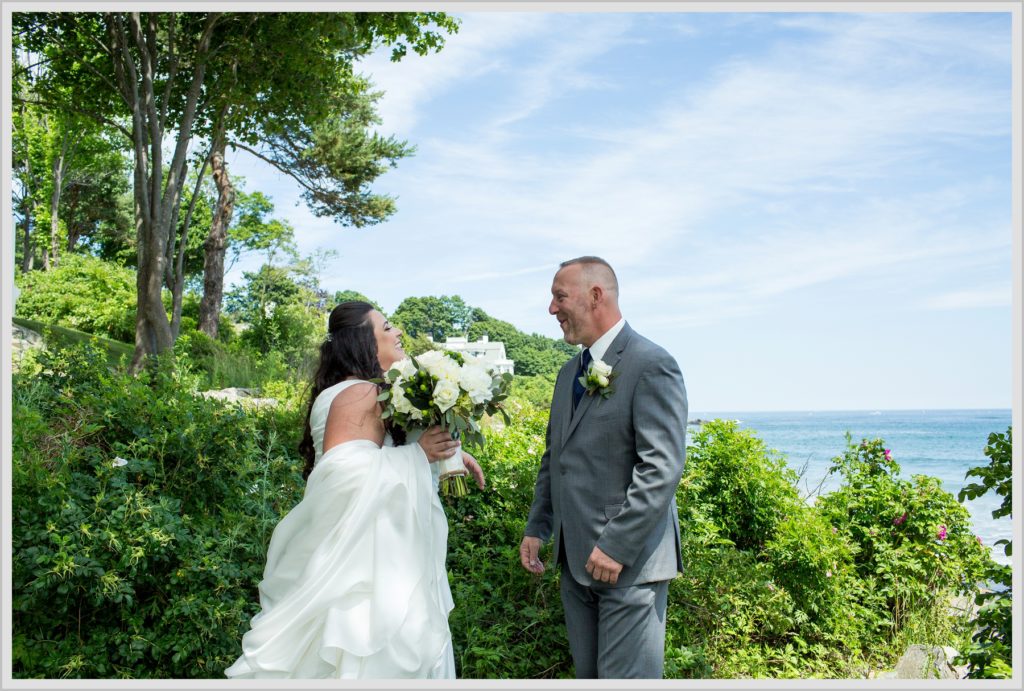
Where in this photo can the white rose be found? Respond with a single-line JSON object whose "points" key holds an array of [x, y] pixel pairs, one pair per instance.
{"points": [[404, 367], [602, 380], [446, 393], [400, 402], [429, 360], [448, 369], [476, 382], [601, 369]]}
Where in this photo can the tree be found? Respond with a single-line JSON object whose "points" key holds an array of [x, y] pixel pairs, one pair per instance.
{"points": [[192, 78], [346, 295], [533, 354], [215, 246], [437, 317]]}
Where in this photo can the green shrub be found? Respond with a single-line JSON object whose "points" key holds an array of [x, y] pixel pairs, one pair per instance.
{"points": [[767, 585], [141, 516], [913, 543], [744, 488], [148, 567], [534, 390], [989, 655], [507, 623], [83, 293], [220, 365]]}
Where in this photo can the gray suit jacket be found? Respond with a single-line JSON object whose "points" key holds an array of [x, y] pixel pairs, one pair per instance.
{"points": [[610, 470]]}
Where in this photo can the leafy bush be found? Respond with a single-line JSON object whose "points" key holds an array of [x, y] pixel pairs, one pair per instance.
{"points": [[507, 623], [141, 516], [764, 574], [82, 292], [745, 488], [535, 390], [989, 653], [221, 365], [913, 543], [148, 566]]}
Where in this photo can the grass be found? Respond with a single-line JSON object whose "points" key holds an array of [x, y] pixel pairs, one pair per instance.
{"points": [[116, 350]]}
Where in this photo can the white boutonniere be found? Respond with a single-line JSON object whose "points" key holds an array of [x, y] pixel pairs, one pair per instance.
{"points": [[598, 379]]}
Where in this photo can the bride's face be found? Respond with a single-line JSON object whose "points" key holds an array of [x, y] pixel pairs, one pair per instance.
{"points": [[389, 340]]}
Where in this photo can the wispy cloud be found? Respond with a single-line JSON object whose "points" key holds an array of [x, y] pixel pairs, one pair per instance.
{"points": [[990, 296], [728, 165], [763, 133], [476, 50]]}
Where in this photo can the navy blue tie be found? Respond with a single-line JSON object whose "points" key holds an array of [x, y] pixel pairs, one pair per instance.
{"points": [[577, 388]]}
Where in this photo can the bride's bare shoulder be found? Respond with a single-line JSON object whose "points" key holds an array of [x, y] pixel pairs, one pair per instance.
{"points": [[354, 414], [358, 399]]}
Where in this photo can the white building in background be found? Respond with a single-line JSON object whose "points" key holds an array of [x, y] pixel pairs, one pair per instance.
{"points": [[493, 352]]}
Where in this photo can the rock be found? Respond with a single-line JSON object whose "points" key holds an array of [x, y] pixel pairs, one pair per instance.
{"points": [[926, 662], [22, 340], [246, 397]]}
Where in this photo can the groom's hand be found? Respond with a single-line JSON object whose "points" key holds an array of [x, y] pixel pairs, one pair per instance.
{"points": [[603, 568], [529, 554]]}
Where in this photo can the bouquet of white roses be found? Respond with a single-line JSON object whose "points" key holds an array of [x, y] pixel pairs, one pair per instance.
{"points": [[447, 389]]}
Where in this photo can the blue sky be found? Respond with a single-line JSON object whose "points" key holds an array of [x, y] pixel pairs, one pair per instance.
{"points": [[809, 211]]}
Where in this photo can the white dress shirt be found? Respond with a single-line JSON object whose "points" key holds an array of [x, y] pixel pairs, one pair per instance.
{"points": [[600, 346]]}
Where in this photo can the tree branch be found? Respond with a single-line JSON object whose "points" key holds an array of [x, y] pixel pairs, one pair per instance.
{"points": [[279, 166], [189, 112], [49, 105]]}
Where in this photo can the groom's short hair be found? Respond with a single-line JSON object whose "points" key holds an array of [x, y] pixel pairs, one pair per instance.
{"points": [[597, 270]]}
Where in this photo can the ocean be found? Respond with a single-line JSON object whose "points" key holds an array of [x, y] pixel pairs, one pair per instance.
{"points": [[941, 443]]}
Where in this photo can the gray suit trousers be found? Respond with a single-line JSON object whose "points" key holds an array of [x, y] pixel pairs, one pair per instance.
{"points": [[615, 633]]}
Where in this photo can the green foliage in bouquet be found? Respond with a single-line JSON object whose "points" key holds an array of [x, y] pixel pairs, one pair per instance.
{"points": [[989, 655], [443, 388], [424, 391]]}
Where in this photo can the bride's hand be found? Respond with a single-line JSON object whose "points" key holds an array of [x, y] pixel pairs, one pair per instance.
{"points": [[474, 469], [437, 444]]}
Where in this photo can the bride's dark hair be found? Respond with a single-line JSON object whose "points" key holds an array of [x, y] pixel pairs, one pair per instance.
{"points": [[350, 349]]}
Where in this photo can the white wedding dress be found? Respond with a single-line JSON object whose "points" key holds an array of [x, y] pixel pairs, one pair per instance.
{"points": [[355, 584]]}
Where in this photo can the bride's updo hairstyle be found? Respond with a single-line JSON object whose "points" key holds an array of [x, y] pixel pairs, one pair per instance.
{"points": [[350, 349]]}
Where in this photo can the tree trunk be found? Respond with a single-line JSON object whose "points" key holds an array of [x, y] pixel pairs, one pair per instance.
{"points": [[74, 230], [27, 257], [27, 251], [215, 247], [156, 200], [52, 258]]}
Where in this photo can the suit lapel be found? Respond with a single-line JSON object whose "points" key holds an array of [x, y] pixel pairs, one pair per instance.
{"points": [[611, 358], [562, 401]]}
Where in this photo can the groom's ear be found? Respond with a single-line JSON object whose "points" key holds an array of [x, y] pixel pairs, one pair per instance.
{"points": [[596, 294]]}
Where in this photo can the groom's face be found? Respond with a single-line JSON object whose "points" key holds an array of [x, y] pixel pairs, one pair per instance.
{"points": [[571, 306]]}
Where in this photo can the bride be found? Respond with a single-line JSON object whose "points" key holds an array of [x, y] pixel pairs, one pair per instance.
{"points": [[355, 584]]}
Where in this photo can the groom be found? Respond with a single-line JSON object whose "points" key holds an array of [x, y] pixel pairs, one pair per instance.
{"points": [[607, 481]]}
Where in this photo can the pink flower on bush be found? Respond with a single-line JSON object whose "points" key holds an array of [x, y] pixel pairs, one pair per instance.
{"points": [[900, 520], [978, 538], [942, 532], [888, 454]]}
